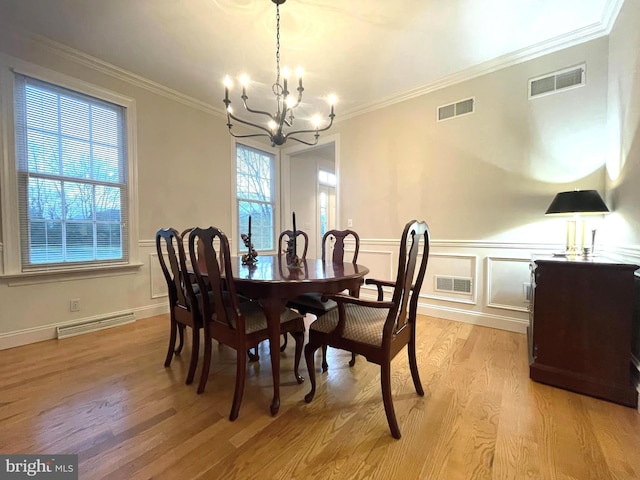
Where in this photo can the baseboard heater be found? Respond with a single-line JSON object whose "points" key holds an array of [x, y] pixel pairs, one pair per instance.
{"points": [[66, 331]]}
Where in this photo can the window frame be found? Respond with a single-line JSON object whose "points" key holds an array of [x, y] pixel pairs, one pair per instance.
{"points": [[233, 240], [9, 196]]}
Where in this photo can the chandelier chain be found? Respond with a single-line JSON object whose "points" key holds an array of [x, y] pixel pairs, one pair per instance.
{"points": [[277, 44]]}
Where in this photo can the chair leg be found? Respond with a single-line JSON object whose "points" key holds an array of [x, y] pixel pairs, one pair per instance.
{"points": [[299, 338], [352, 362], [284, 345], [241, 372], [385, 380], [181, 334], [172, 343], [309, 352], [325, 365], [253, 357], [204, 375], [413, 365], [195, 352]]}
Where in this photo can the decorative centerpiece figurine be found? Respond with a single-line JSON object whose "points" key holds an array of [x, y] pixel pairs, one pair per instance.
{"points": [[293, 261], [250, 257]]}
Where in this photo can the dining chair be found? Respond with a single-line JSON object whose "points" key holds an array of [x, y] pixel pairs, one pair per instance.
{"points": [[287, 235], [283, 240], [183, 296], [312, 302], [236, 324], [379, 329]]}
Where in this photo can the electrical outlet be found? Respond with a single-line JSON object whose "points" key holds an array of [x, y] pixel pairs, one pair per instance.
{"points": [[74, 305]]}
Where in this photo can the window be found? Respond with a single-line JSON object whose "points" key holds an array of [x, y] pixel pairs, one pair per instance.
{"points": [[326, 178], [255, 195], [72, 172]]}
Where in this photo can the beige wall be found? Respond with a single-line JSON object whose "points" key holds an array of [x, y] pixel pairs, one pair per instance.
{"points": [[623, 167], [488, 175]]}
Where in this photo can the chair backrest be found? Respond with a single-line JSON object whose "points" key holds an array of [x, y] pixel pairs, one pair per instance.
{"points": [[221, 307], [287, 235], [408, 284], [338, 237], [181, 292]]}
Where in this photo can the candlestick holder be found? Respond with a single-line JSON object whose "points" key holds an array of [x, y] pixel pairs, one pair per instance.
{"points": [[251, 257], [293, 261]]}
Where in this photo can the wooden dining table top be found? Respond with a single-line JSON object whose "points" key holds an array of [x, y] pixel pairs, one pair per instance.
{"points": [[274, 269]]}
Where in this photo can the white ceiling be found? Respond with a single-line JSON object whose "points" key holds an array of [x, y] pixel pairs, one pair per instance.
{"points": [[368, 52]]}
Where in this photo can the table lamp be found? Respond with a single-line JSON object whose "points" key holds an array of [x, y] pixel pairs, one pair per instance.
{"points": [[577, 204]]}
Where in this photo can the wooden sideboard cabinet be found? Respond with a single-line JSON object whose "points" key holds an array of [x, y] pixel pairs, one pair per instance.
{"points": [[580, 326]]}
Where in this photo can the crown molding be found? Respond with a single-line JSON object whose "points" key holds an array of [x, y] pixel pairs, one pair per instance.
{"points": [[610, 14], [570, 39], [124, 75]]}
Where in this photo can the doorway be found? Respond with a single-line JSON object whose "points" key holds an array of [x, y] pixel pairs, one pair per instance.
{"points": [[309, 188]]}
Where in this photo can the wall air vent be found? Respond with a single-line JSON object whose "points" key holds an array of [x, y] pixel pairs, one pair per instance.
{"points": [[463, 107], [554, 82], [453, 284]]}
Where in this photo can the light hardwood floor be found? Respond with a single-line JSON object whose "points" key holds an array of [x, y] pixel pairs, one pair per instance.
{"points": [[107, 397]]}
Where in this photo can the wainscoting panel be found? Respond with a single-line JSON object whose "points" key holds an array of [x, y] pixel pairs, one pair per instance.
{"points": [[452, 266], [508, 283], [157, 281], [381, 265]]}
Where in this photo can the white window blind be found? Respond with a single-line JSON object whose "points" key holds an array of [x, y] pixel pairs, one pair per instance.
{"points": [[255, 194], [72, 177]]}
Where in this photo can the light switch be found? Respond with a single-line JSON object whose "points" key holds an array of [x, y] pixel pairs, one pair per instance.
{"points": [[350, 222]]}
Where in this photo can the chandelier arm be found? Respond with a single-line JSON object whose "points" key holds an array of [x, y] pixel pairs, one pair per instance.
{"points": [[251, 110], [314, 130], [282, 119], [302, 141], [245, 122], [249, 135], [300, 90]]}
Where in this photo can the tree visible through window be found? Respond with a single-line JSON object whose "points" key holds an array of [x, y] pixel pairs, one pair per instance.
{"points": [[255, 187], [71, 162]]}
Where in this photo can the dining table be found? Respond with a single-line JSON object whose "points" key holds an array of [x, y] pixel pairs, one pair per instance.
{"points": [[272, 283]]}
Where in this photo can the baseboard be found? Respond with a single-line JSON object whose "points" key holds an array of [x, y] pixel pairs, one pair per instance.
{"points": [[49, 332], [500, 322], [481, 319]]}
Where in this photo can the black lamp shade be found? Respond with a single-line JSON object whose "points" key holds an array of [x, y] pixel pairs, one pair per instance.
{"points": [[577, 201]]}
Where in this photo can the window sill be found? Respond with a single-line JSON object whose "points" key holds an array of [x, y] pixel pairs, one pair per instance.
{"points": [[50, 276]]}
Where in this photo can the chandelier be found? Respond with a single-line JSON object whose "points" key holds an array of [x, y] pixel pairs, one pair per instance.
{"points": [[278, 126]]}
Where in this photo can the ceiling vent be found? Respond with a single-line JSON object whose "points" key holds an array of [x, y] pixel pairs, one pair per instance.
{"points": [[561, 80], [453, 284], [463, 107]]}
